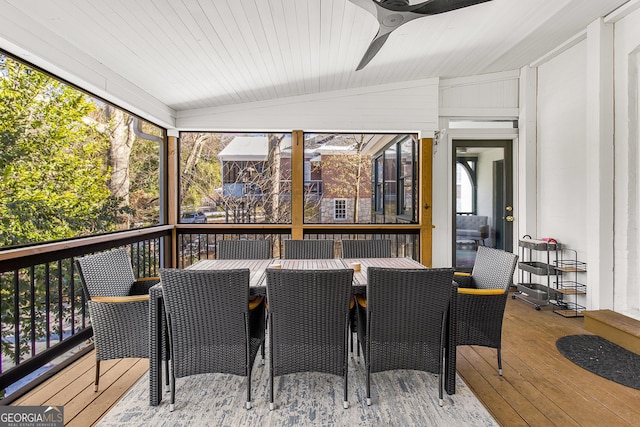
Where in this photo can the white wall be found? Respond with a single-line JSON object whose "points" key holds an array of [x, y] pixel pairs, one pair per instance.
{"points": [[626, 291], [561, 148], [561, 130]]}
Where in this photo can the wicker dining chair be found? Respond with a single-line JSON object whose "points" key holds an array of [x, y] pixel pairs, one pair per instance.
{"points": [[482, 297], [244, 249], [380, 248], [210, 324], [308, 249], [402, 322], [308, 322], [118, 306]]}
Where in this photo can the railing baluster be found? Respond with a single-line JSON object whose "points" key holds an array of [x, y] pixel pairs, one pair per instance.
{"points": [[16, 317], [60, 302], [72, 297], [32, 309], [47, 301]]}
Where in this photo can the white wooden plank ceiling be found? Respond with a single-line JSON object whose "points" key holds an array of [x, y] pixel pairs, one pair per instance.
{"points": [[192, 54]]}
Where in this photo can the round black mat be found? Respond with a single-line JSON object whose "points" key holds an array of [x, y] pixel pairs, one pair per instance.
{"points": [[603, 358]]}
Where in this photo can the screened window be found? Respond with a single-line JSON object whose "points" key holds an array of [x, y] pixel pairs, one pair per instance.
{"points": [[406, 185], [236, 177], [71, 164], [395, 188], [379, 184], [360, 169]]}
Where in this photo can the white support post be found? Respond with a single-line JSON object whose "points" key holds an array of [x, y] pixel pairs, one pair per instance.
{"points": [[600, 152], [526, 184]]}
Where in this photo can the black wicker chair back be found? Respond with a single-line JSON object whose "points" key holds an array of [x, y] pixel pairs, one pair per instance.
{"points": [[244, 249], [106, 273], [366, 248], [403, 325], [308, 249], [480, 315], [308, 320], [210, 323]]}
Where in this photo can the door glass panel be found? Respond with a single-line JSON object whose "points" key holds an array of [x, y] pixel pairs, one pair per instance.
{"points": [[481, 199]]}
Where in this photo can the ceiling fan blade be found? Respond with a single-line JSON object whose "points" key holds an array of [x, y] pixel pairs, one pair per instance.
{"points": [[367, 5], [435, 7], [374, 47], [391, 14]]}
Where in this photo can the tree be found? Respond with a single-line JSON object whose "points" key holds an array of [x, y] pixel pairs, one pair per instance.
{"points": [[52, 167], [53, 185], [253, 188], [200, 174]]}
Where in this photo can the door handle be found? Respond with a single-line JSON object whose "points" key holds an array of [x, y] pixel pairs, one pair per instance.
{"points": [[509, 218]]}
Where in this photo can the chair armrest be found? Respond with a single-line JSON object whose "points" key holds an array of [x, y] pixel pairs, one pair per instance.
{"points": [[472, 291], [464, 280], [129, 298], [144, 279], [362, 301], [255, 302]]}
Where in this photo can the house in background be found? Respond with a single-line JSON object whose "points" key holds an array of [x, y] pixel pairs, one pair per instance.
{"points": [[337, 179]]}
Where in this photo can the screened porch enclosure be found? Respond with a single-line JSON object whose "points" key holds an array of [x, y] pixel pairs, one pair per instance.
{"points": [[90, 177]]}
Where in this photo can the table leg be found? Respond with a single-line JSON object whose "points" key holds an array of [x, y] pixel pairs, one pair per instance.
{"points": [[452, 339], [156, 311]]}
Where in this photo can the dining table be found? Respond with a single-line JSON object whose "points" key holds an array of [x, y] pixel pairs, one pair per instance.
{"points": [[257, 286]]}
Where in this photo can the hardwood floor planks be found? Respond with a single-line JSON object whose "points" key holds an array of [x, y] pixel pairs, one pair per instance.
{"points": [[498, 406], [503, 386], [539, 386], [64, 380], [113, 384]]}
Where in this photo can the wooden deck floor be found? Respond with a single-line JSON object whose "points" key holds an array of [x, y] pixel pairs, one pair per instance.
{"points": [[539, 386]]}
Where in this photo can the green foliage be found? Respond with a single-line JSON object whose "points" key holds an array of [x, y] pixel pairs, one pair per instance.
{"points": [[53, 185], [52, 162]]}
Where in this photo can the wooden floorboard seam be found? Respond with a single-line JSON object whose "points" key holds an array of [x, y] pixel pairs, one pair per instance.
{"points": [[538, 387]]}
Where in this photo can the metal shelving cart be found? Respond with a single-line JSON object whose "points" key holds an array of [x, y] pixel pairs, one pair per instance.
{"points": [[529, 291], [568, 288]]}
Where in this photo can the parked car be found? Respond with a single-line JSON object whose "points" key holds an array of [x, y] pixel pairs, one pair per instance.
{"points": [[209, 211], [191, 217]]}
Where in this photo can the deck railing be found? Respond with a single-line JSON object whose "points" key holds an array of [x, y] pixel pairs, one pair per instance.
{"points": [[195, 244], [43, 308]]}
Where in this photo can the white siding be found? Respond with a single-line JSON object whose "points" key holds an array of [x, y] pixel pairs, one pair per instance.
{"points": [[491, 95], [404, 107]]}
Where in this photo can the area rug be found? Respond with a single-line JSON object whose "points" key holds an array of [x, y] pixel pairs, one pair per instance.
{"points": [[407, 398], [603, 358]]}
